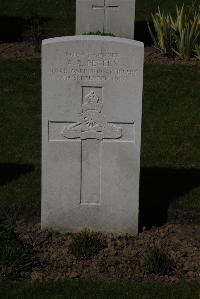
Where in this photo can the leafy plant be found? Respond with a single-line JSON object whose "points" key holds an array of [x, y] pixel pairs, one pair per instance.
{"points": [[177, 35], [186, 28], [15, 257], [8, 215], [197, 51], [164, 34], [197, 238], [86, 244], [158, 262]]}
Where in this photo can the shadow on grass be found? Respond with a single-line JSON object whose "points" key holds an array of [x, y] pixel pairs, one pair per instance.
{"points": [[18, 29], [159, 187], [12, 28], [11, 171]]}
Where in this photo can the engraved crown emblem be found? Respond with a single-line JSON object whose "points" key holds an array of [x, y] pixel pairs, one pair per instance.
{"points": [[92, 102], [92, 123]]}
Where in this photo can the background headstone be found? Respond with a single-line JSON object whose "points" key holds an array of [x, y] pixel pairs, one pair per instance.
{"points": [[107, 16], [91, 119]]}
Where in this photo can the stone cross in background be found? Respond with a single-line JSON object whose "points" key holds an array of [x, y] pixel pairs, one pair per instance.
{"points": [[107, 16], [105, 10], [91, 120]]}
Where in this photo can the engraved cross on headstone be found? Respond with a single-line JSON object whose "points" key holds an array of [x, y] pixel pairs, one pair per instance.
{"points": [[91, 130], [106, 8]]}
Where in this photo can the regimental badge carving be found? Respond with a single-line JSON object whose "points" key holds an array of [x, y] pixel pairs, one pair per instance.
{"points": [[92, 123]]}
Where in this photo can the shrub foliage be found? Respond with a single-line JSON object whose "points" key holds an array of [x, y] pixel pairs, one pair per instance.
{"points": [[178, 35], [15, 258], [158, 262]]}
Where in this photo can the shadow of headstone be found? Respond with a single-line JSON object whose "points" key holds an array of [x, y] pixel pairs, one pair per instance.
{"points": [[159, 187], [11, 171]]}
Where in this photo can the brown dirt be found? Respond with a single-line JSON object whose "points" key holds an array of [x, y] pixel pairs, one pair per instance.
{"points": [[123, 256], [153, 56], [25, 50]]}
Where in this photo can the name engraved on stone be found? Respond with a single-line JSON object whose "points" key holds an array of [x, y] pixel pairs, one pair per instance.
{"points": [[103, 66]]}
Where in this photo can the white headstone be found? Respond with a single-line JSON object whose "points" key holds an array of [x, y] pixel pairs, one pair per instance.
{"points": [[91, 119], [107, 16]]}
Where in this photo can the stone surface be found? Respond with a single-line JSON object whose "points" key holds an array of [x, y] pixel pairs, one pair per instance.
{"points": [[91, 133], [108, 16]]}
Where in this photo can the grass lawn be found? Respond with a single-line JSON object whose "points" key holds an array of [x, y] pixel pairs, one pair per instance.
{"points": [[60, 14], [20, 132], [170, 134], [81, 289]]}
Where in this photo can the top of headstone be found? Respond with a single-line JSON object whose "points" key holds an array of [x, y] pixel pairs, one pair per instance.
{"points": [[91, 38]]}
